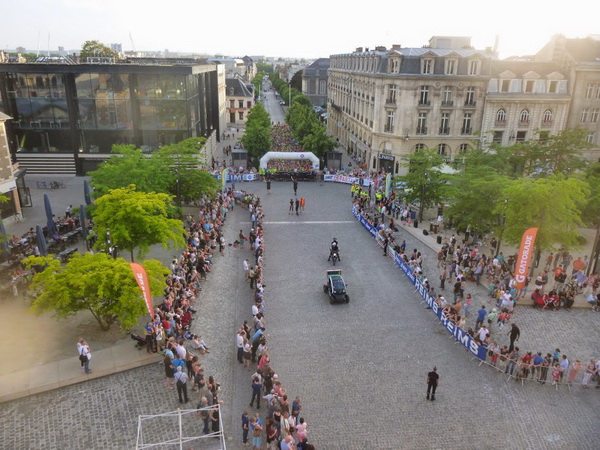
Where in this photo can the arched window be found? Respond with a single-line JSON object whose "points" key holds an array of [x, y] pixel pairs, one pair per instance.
{"points": [[419, 147], [524, 117], [442, 149], [462, 148], [547, 116], [500, 117]]}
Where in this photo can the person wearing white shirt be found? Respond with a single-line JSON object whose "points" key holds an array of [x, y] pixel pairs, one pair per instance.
{"points": [[240, 346]]}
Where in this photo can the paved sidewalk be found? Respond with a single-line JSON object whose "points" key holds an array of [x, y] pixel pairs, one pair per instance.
{"points": [[69, 371]]}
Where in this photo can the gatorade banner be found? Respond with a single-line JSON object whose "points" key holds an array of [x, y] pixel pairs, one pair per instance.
{"points": [[142, 280], [524, 258]]}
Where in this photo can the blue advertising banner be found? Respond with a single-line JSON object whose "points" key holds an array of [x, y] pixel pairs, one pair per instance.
{"points": [[238, 177], [459, 334]]}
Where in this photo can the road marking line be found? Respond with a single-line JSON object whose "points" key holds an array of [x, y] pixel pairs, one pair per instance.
{"points": [[310, 222]]}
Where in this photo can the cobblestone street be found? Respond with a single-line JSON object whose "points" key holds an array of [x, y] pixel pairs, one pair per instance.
{"points": [[359, 368]]}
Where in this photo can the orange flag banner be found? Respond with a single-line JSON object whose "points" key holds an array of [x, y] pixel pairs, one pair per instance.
{"points": [[524, 257], [142, 280]]}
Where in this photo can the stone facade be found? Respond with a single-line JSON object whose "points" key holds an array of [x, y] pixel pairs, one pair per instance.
{"points": [[240, 100], [385, 104], [314, 81]]}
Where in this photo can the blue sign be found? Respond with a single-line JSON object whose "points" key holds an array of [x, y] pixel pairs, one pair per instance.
{"points": [[459, 334]]}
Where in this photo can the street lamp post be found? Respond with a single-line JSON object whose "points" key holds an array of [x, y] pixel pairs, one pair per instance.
{"points": [[177, 187]]}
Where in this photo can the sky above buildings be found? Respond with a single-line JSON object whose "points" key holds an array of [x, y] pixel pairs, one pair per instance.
{"points": [[299, 29]]}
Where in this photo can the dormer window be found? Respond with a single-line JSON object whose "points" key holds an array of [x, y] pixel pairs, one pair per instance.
{"points": [[427, 66], [451, 65], [394, 65], [474, 67]]}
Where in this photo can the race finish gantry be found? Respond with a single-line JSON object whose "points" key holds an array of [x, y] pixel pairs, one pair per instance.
{"points": [[303, 166]]}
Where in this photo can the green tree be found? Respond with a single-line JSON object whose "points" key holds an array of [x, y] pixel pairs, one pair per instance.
{"points": [[93, 282], [129, 165], [302, 120], [473, 197], [556, 154], [257, 137], [318, 141], [136, 220], [96, 48], [183, 161], [552, 204], [258, 115], [424, 181], [591, 211]]}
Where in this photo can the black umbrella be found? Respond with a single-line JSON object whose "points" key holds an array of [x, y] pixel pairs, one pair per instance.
{"points": [[86, 192], [83, 221], [41, 241], [50, 225]]}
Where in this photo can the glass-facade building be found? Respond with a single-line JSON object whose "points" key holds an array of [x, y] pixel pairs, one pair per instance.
{"points": [[85, 109]]}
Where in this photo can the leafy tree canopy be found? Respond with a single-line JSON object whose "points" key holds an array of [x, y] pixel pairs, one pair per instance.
{"points": [[130, 166], [553, 204], [96, 48], [136, 220], [318, 141], [93, 282], [424, 181]]}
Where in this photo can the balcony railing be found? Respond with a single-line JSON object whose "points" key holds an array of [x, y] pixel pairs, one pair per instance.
{"points": [[390, 101], [470, 104], [448, 104], [500, 123], [444, 130], [466, 130], [388, 128], [546, 123], [421, 130], [523, 123], [423, 102]]}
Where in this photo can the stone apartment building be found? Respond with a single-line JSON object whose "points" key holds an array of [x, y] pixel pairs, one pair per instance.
{"points": [[387, 103], [240, 100]]}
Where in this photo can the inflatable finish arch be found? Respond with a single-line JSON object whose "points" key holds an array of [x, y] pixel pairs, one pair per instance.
{"points": [[289, 155]]}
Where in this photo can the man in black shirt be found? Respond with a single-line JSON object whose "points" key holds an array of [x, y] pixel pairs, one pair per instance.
{"points": [[433, 380]]}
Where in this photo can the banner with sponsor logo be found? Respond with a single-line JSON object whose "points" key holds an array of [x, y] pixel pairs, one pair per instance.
{"points": [[237, 177], [524, 258], [142, 280], [459, 334], [346, 179]]}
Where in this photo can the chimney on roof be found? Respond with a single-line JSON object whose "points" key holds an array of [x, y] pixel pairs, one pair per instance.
{"points": [[366, 49], [359, 50], [380, 48], [396, 47]]}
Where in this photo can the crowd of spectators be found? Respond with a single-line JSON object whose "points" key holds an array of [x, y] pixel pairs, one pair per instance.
{"points": [[283, 140], [170, 331], [460, 264], [290, 165], [282, 426]]}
